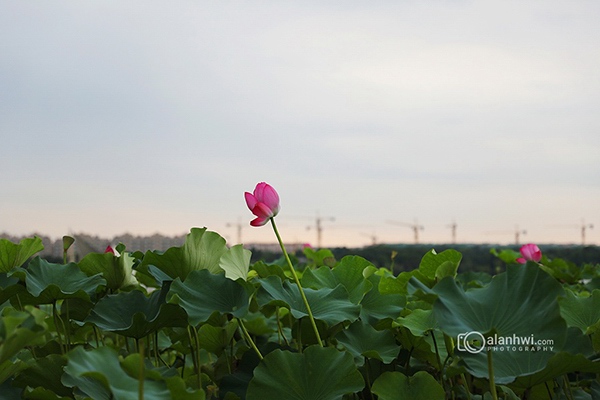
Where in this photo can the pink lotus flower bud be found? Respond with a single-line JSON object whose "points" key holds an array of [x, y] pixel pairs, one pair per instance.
{"points": [[264, 203], [110, 249], [530, 252]]}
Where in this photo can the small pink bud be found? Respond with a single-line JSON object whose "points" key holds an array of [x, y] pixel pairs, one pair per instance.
{"points": [[530, 252], [110, 249]]}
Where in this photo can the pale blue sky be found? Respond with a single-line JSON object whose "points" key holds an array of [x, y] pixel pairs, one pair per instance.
{"points": [[156, 116]]}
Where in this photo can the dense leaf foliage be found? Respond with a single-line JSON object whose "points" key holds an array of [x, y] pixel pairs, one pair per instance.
{"points": [[202, 321]]}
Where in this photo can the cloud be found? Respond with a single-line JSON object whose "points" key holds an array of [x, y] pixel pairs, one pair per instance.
{"points": [[164, 109]]}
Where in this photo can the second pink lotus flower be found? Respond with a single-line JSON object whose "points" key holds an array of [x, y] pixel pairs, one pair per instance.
{"points": [[263, 202], [530, 252]]}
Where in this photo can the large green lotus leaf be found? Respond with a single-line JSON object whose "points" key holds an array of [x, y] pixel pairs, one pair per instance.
{"points": [[472, 279], [180, 391], [390, 284], [8, 369], [102, 366], [329, 305], [19, 329], [317, 374], [45, 372], [176, 385], [418, 322], [362, 340], [116, 270], [9, 392], [319, 257], [216, 338], [235, 385], [348, 273], [257, 324], [377, 306], [395, 284], [437, 266], [14, 255], [264, 270], [202, 250], [132, 365], [135, 315], [40, 393], [560, 364], [203, 293], [89, 386], [76, 309], [9, 286], [48, 282], [521, 302], [581, 312], [236, 262], [397, 386], [159, 277]]}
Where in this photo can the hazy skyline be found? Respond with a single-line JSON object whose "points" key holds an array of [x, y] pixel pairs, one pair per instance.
{"points": [[146, 117]]}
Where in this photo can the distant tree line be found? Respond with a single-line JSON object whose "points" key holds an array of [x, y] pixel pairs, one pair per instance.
{"points": [[475, 257]]}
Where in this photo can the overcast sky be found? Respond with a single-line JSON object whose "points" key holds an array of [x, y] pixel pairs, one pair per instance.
{"points": [[156, 116]]}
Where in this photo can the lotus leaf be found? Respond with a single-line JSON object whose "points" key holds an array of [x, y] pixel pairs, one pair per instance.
{"points": [[48, 282], [329, 305], [581, 312], [236, 262], [397, 386], [14, 255], [418, 322], [19, 329], [202, 250], [317, 374], [9, 286], [377, 306], [348, 273], [437, 266], [98, 373], [117, 270], [204, 293], [362, 340], [522, 302], [135, 315]]}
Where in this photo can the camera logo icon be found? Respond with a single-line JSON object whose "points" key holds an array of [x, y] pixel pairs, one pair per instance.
{"points": [[472, 342]]}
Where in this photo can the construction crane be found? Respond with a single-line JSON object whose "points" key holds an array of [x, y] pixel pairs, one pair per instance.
{"points": [[238, 227], [583, 228], [415, 228], [517, 232], [372, 236], [453, 226], [319, 228]]}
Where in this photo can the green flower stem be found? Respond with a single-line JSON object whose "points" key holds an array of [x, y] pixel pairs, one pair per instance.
{"points": [[249, 339], [466, 385], [56, 318], [439, 359], [491, 376], [197, 347], [139, 343], [567, 384], [193, 352], [304, 299], [280, 328]]}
